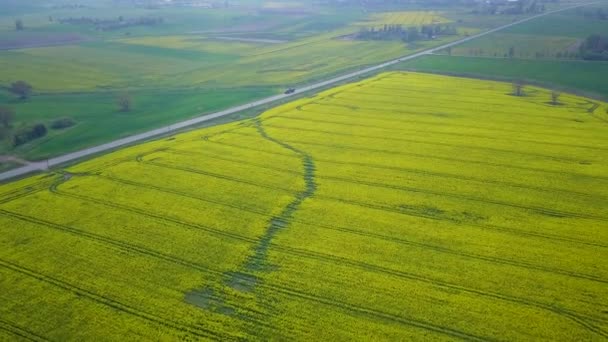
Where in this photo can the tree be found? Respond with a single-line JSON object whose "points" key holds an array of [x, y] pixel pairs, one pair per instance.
{"points": [[413, 34], [21, 89], [518, 88], [595, 47], [555, 97], [28, 134], [124, 102], [7, 115], [19, 25], [511, 52]]}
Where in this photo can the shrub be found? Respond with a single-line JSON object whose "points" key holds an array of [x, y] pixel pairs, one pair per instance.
{"points": [[28, 134], [21, 89], [62, 123], [125, 102]]}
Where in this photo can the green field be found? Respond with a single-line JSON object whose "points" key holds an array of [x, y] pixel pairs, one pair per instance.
{"points": [[575, 76], [553, 36], [98, 119], [403, 207]]}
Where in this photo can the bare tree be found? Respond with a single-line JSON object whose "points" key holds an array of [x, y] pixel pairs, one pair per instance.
{"points": [[7, 115], [19, 25], [511, 52], [21, 89], [555, 97], [125, 102], [518, 88]]}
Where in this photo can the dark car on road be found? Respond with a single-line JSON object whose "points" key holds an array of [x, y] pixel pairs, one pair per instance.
{"points": [[290, 91]]}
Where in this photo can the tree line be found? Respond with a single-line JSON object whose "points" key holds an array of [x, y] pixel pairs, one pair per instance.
{"points": [[593, 13], [510, 8], [512, 52], [595, 48], [409, 34]]}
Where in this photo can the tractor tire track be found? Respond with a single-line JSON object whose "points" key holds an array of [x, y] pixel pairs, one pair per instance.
{"points": [[451, 159], [254, 265], [416, 131], [268, 215], [129, 248], [108, 302], [346, 307], [413, 141], [21, 332], [26, 190], [538, 210], [441, 102], [576, 317], [399, 118], [403, 211], [122, 245], [379, 167], [24, 193], [438, 106], [379, 315], [573, 317], [210, 230]]}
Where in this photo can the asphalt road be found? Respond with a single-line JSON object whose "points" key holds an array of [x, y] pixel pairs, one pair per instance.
{"points": [[45, 165]]}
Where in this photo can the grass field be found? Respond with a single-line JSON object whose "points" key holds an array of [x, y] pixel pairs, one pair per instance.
{"points": [[406, 206], [554, 36], [102, 121], [202, 60], [576, 76]]}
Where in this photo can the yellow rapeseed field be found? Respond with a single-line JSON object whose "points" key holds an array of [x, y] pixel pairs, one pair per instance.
{"points": [[406, 18], [402, 207]]}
